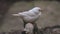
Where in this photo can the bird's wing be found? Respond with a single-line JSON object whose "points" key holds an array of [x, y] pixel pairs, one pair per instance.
{"points": [[27, 13]]}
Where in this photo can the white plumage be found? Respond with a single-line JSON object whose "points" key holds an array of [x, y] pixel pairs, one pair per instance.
{"points": [[30, 15]]}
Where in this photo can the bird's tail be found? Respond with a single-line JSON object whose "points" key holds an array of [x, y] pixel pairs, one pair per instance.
{"points": [[15, 15]]}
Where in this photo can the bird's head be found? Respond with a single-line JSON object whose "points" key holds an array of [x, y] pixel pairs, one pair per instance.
{"points": [[37, 9]]}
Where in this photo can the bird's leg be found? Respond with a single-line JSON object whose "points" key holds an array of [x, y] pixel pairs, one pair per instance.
{"points": [[35, 30], [24, 24]]}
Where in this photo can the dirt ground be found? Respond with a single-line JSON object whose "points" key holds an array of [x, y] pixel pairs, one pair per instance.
{"points": [[50, 15]]}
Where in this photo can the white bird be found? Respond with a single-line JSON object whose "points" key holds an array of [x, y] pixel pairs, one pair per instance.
{"points": [[30, 15]]}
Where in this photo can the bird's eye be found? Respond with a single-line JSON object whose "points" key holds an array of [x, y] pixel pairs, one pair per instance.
{"points": [[39, 10]]}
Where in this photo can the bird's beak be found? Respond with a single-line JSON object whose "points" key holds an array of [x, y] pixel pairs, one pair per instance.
{"points": [[41, 10]]}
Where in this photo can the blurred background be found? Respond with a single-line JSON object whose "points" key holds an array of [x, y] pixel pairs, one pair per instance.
{"points": [[50, 15]]}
